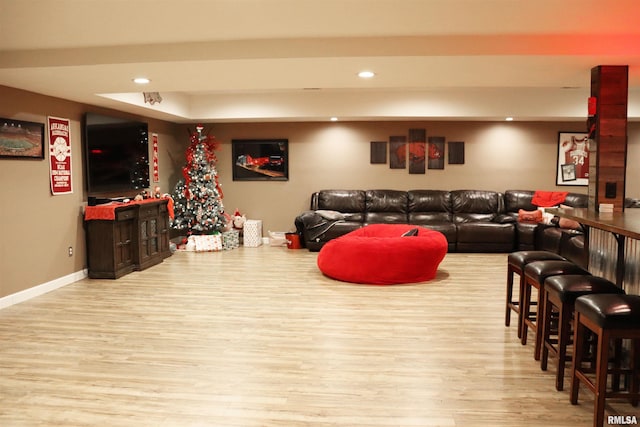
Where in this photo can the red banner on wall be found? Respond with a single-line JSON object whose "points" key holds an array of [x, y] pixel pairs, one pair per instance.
{"points": [[60, 155], [156, 169]]}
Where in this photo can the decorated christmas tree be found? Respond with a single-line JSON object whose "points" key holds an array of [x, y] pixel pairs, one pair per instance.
{"points": [[197, 197]]}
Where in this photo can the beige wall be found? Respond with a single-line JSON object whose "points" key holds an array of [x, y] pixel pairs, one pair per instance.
{"points": [[498, 156], [37, 228]]}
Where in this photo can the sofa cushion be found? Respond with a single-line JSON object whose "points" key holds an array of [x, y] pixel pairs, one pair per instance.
{"points": [[483, 236], [449, 230], [548, 238], [576, 200], [429, 206], [572, 248], [351, 203], [526, 236], [476, 205], [386, 206], [514, 200]]}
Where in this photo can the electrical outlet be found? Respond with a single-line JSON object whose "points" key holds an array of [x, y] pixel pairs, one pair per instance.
{"points": [[70, 250]]}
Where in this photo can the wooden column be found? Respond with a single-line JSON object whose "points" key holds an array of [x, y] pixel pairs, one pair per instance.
{"points": [[608, 136]]}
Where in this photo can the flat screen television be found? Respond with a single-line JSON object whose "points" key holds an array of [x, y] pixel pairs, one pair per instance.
{"points": [[116, 154]]}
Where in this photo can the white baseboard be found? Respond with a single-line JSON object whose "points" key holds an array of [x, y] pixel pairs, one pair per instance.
{"points": [[38, 290]]}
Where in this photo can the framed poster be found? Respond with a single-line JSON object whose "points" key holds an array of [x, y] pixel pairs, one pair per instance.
{"points": [[572, 166], [260, 159], [397, 152], [60, 155], [21, 140], [436, 152], [456, 152], [417, 150], [378, 152]]}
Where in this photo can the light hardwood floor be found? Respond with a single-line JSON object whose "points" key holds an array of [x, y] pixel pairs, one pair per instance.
{"points": [[258, 337]]}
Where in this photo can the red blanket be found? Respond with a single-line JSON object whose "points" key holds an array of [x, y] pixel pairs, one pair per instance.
{"points": [[547, 199], [108, 211]]}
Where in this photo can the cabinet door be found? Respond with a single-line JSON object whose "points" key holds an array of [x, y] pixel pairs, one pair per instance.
{"points": [[148, 235], [163, 231], [148, 239], [123, 240]]}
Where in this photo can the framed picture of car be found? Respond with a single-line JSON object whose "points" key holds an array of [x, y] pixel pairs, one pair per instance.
{"points": [[260, 159]]}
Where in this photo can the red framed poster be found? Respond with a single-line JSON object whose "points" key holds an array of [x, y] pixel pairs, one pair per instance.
{"points": [[156, 169], [573, 159], [60, 155]]}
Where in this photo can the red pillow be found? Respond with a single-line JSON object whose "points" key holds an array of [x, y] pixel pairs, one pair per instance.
{"points": [[530, 216]]}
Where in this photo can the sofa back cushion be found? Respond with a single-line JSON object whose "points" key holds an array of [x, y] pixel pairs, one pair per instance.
{"points": [[514, 200], [476, 205], [386, 206], [429, 206], [576, 200], [351, 203]]}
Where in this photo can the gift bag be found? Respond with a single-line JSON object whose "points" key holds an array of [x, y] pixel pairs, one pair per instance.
{"points": [[253, 233]]}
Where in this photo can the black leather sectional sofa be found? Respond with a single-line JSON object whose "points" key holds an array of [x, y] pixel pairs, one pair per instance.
{"points": [[471, 220]]}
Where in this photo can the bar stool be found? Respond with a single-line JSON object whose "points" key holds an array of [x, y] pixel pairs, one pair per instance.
{"points": [[608, 316], [515, 265], [560, 293], [535, 274]]}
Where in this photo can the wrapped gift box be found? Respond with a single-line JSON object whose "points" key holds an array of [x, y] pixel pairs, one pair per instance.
{"points": [[252, 233], [208, 243], [230, 239]]}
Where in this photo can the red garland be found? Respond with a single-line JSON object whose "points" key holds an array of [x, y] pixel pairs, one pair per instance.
{"points": [[219, 188], [211, 144]]}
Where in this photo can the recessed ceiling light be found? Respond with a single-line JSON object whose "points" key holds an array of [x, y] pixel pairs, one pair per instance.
{"points": [[334, 119], [366, 74], [141, 80], [509, 119]]}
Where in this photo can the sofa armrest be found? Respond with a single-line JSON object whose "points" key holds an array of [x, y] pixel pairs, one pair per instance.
{"points": [[314, 226], [505, 219]]}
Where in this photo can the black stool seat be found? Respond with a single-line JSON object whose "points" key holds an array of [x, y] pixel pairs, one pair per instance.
{"points": [[611, 318], [611, 311], [540, 270], [560, 295], [568, 287], [535, 274], [521, 258], [515, 265]]}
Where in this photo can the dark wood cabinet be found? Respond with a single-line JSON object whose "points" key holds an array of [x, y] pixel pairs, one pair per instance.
{"points": [[137, 238]]}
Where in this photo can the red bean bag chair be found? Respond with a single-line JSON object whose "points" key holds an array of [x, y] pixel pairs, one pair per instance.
{"points": [[384, 254]]}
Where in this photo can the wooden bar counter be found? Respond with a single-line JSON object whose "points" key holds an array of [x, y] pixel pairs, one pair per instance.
{"points": [[613, 242]]}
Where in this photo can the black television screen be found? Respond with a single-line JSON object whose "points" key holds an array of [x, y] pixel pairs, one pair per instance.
{"points": [[117, 154]]}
